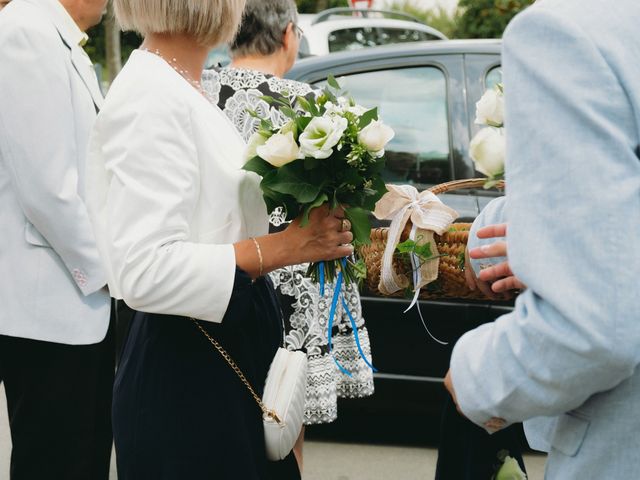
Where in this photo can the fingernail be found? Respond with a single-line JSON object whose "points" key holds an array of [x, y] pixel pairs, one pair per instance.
{"points": [[485, 248]]}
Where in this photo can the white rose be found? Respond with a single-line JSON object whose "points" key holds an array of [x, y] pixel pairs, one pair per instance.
{"points": [[375, 136], [321, 135], [279, 150], [490, 109], [487, 150], [256, 140]]}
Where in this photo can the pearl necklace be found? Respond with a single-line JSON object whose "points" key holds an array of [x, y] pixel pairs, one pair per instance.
{"points": [[183, 72]]}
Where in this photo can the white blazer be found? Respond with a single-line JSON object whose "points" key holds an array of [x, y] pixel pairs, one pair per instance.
{"points": [[167, 193], [51, 275]]}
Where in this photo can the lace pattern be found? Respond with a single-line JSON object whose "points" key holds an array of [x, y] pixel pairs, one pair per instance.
{"points": [[235, 91]]}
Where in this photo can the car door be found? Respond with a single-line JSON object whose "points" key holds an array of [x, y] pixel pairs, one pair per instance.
{"points": [[424, 98]]}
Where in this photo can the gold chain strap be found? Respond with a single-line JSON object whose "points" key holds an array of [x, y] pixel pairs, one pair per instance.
{"points": [[270, 413]]}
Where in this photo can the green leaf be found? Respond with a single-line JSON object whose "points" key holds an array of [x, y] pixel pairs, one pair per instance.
{"points": [[333, 83], [310, 163], [292, 179], [304, 104], [368, 117], [259, 166], [308, 105], [302, 123], [269, 99], [288, 111], [320, 199], [360, 224]]}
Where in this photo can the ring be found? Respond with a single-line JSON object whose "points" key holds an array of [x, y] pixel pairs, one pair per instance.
{"points": [[345, 225]]}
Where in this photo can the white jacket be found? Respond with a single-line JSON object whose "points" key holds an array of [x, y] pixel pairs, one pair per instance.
{"points": [[51, 276], [167, 193]]}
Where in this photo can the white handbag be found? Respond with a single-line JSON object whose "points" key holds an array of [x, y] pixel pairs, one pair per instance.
{"points": [[282, 402]]}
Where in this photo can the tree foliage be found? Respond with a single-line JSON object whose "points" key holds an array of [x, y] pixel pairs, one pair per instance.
{"points": [[439, 18], [314, 6], [487, 18]]}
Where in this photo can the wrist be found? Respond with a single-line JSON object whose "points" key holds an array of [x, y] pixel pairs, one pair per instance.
{"points": [[276, 251]]}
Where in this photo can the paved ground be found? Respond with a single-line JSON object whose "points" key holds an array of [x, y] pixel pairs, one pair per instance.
{"points": [[330, 460]]}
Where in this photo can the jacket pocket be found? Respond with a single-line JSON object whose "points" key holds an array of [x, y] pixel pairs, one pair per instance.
{"points": [[34, 237], [570, 433]]}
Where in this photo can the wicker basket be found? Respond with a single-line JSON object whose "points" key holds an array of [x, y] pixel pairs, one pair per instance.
{"points": [[451, 245]]}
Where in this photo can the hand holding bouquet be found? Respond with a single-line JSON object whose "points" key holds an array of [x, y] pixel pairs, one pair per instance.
{"points": [[330, 152]]}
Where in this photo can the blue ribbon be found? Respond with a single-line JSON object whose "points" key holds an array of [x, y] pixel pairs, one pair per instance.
{"points": [[354, 327], [321, 271], [332, 314]]}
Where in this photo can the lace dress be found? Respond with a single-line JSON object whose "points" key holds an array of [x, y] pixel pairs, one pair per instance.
{"points": [[306, 311]]}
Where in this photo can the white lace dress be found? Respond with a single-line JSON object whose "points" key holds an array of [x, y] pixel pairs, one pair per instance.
{"points": [[306, 311]]}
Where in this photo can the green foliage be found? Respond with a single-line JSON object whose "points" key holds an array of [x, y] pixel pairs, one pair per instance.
{"points": [[423, 252], [439, 18], [487, 18], [314, 6], [96, 49], [472, 19]]}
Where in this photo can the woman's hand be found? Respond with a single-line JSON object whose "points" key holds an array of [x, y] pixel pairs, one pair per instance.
{"points": [[327, 236], [497, 279]]}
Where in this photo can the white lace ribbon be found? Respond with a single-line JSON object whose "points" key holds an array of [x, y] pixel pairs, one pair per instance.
{"points": [[428, 213]]}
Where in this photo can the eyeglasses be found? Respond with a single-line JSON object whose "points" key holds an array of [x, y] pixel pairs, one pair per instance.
{"points": [[298, 30]]}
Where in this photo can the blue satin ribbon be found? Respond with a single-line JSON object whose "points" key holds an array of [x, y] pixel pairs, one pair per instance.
{"points": [[337, 296], [332, 314], [354, 327], [321, 271]]}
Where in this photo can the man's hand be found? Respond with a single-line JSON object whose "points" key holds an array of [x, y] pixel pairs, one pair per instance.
{"points": [[500, 277], [448, 384]]}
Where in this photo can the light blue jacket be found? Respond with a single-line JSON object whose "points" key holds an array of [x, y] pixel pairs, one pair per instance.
{"points": [[570, 349]]}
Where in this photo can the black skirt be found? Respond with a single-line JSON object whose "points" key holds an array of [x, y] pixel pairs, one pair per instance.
{"points": [[180, 411]]}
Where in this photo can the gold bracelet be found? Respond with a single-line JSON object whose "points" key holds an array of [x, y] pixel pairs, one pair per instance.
{"points": [[259, 250]]}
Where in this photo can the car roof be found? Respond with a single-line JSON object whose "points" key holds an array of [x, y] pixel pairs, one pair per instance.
{"points": [[342, 24], [410, 49]]}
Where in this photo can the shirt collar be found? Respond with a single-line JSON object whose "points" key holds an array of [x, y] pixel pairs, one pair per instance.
{"points": [[61, 17]]}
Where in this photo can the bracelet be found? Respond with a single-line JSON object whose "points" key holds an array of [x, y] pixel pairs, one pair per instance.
{"points": [[259, 250]]}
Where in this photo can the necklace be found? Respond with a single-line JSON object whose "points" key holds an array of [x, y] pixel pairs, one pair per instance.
{"points": [[183, 72]]}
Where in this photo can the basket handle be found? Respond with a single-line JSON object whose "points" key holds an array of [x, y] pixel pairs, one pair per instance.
{"points": [[462, 184]]}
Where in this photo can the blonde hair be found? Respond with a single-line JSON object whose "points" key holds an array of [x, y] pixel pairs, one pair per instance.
{"points": [[211, 22]]}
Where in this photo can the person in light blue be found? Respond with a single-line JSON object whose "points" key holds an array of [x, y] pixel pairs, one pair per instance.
{"points": [[565, 360]]}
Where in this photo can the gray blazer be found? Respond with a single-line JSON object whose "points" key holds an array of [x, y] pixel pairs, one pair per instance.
{"points": [[570, 349]]}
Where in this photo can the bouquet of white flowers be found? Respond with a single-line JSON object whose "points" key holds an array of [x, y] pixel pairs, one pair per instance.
{"points": [[330, 151], [487, 148]]}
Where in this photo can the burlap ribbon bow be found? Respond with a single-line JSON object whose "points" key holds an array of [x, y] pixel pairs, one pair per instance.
{"points": [[428, 216]]}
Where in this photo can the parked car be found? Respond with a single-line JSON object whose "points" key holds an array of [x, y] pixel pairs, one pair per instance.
{"points": [[427, 92], [348, 29]]}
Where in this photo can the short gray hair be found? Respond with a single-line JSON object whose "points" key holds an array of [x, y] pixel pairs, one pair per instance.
{"points": [[211, 22], [263, 26]]}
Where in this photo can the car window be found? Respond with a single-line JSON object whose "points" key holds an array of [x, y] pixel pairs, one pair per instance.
{"points": [[362, 37], [419, 152], [388, 36], [493, 77]]}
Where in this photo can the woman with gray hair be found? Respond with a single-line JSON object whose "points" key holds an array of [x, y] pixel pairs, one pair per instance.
{"points": [[183, 232], [264, 49]]}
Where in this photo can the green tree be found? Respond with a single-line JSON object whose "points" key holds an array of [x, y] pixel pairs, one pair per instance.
{"points": [[487, 18], [314, 6], [439, 18]]}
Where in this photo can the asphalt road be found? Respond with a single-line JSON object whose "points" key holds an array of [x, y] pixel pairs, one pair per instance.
{"points": [[330, 460]]}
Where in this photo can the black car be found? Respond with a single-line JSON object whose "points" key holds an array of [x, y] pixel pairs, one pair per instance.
{"points": [[427, 92]]}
